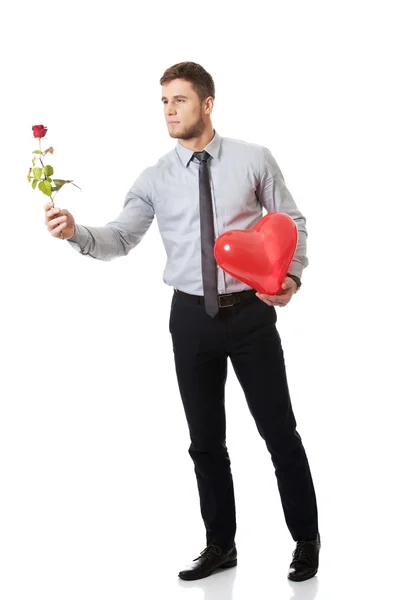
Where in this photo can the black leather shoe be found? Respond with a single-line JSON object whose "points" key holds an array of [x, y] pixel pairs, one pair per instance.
{"points": [[305, 560], [211, 559]]}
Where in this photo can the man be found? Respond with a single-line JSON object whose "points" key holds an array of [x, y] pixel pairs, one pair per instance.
{"points": [[207, 185]]}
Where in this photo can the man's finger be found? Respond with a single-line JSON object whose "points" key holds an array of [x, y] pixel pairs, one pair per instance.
{"points": [[277, 298], [265, 297]]}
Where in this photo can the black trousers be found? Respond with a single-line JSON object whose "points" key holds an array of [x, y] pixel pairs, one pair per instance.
{"points": [[247, 334]]}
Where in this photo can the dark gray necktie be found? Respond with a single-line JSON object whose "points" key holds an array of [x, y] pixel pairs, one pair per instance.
{"points": [[208, 264]]}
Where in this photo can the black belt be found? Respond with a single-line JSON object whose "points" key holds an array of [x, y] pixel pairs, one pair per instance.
{"points": [[224, 300]]}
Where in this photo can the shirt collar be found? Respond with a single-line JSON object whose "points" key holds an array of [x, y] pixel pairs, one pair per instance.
{"points": [[213, 148]]}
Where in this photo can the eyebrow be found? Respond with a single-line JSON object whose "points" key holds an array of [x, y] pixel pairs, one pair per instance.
{"points": [[176, 96]]}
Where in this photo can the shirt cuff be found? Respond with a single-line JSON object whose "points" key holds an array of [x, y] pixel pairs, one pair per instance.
{"points": [[80, 238], [296, 268]]}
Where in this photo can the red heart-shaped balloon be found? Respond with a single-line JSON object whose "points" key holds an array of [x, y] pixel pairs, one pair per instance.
{"points": [[260, 256]]}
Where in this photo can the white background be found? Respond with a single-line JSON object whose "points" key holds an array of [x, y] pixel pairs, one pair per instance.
{"points": [[98, 495]]}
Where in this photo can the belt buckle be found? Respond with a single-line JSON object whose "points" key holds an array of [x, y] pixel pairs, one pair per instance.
{"points": [[221, 299]]}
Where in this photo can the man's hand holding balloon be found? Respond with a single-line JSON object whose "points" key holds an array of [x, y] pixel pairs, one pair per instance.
{"points": [[289, 287]]}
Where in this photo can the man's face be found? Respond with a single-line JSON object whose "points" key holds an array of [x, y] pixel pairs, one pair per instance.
{"points": [[182, 109]]}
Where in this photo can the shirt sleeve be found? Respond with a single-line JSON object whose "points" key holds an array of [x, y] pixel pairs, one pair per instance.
{"points": [[119, 236], [275, 197]]}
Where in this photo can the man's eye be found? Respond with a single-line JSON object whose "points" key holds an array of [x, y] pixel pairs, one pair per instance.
{"points": [[178, 100]]}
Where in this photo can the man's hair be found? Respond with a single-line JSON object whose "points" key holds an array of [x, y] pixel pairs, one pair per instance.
{"points": [[201, 81]]}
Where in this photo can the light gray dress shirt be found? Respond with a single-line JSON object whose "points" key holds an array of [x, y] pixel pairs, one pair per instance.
{"points": [[244, 178]]}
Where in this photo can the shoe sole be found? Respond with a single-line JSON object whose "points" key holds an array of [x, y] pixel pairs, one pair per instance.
{"points": [[227, 565], [303, 578]]}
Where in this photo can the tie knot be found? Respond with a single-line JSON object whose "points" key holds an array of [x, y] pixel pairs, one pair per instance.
{"points": [[202, 156]]}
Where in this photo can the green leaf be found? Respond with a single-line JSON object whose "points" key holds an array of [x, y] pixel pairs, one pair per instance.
{"points": [[49, 179], [29, 175], [45, 187], [48, 170], [36, 152], [59, 183], [34, 183], [34, 160], [37, 172]]}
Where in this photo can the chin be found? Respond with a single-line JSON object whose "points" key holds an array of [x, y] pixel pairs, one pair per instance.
{"points": [[175, 133], [185, 134]]}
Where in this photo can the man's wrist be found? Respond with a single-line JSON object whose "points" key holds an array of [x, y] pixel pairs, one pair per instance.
{"points": [[296, 279]]}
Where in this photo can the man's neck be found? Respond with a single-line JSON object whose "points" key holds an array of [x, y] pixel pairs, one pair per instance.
{"points": [[198, 144]]}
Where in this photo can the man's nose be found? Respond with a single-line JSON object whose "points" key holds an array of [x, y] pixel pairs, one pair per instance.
{"points": [[171, 110]]}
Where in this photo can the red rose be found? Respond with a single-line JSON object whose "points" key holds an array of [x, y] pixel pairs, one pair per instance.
{"points": [[39, 131]]}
